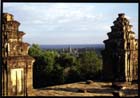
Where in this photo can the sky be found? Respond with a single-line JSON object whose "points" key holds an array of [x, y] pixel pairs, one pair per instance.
{"points": [[69, 23]]}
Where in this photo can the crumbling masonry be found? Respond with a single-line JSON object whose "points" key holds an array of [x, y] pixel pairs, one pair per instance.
{"points": [[16, 63], [120, 56]]}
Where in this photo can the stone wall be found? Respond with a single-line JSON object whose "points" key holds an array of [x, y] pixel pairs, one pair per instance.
{"points": [[17, 64]]}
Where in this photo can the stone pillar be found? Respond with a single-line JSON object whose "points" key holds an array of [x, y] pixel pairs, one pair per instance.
{"points": [[119, 48], [15, 56]]}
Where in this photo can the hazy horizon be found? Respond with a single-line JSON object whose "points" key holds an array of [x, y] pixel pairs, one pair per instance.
{"points": [[69, 44], [69, 23], [62, 46]]}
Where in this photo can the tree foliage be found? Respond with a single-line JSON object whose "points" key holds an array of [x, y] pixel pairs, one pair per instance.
{"points": [[51, 67], [35, 50], [90, 64]]}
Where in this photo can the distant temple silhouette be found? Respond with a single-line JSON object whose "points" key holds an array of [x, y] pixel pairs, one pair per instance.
{"points": [[120, 56], [16, 63]]}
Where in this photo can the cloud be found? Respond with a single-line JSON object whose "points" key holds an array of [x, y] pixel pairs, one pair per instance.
{"points": [[65, 21]]}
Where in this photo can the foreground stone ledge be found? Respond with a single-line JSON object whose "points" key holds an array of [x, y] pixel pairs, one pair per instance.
{"points": [[83, 89]]}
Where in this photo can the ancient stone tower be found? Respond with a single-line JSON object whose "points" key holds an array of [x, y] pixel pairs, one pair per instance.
{"points": [[120, 56], [16, 63]]}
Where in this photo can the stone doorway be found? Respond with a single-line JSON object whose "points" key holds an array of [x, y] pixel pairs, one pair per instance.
{"points": [[17, 83]]}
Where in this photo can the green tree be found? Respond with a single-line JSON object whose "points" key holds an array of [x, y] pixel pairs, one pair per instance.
{"points": [[90, 64], [37, 53], [52, 68], [73, 74], [35, 50], [66, 60], [58, 74], [49, 59]]}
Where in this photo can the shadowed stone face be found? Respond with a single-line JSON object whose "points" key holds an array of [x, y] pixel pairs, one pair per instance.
{"points": [[121, 15], [118, 56]]}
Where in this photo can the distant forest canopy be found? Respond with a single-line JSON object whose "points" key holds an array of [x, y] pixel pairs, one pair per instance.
{"points": [[52, 67]]}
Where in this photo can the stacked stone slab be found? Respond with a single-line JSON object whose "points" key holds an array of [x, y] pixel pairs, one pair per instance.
{"points": [[120, 56], [16, 63]]}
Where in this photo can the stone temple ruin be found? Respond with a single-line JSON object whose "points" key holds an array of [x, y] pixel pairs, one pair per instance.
{"points": [[16, 63], [120, 56]]}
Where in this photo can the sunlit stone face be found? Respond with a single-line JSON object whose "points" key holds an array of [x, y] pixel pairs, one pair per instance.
{"points": [[16, 79], [9, 18]]}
